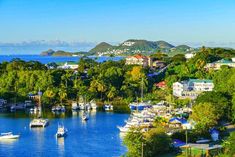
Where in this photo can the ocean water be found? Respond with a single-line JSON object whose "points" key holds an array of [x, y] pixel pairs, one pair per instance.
{"points": [[48, 59], [98, 137]]}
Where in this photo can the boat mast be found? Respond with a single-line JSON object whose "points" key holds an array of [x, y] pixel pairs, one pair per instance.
{"points": [[39, 103], [142, 86]]}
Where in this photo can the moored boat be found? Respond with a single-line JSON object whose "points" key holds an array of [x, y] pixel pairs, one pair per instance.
{"points": [[39, 122], [139, 106], [61, 131], [8, 135], [85, 117], [108, 107], [75, 106], [93, 105]]}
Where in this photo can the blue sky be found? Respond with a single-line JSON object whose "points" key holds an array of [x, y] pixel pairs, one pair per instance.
{"points": [[117, 20]]}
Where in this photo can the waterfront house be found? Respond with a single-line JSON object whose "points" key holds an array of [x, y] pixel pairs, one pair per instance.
{"points": [[191, 88], [139, 59], [217, 65]]}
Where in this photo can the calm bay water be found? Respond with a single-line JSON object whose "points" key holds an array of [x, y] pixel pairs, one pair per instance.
{"points": [[48, 59], [98, 137]]}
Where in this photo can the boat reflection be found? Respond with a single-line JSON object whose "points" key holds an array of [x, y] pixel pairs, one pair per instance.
{"points": [[8, 141], [60, 143]]}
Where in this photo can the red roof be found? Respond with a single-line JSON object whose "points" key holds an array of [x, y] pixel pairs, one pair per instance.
{"points": [[138, 56], [161, 84]]}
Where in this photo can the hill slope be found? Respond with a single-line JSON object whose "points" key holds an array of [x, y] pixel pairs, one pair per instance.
{"points": [[133, 46]]}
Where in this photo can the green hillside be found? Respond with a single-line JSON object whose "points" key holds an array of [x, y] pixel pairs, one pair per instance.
{"points": [[133, 46], [101, 47]]}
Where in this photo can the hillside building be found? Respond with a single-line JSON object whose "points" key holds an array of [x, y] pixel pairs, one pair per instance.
{"points": [[217, 65], [191, 88], [139, 60]]}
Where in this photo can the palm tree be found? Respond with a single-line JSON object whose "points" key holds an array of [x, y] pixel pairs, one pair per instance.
{"points": [[101, 87], [62, 94], [50, 93]]}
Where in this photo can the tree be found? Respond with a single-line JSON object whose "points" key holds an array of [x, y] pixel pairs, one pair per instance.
{"points": [[204, 114], [133, 141], [233, 108], [157, 142], [112, 92], [152, 143], [229, 144], [62, 94], [50, 94], [219, 100]]}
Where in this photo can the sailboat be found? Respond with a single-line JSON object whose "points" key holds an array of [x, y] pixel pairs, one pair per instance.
{"points": [[61, 132], [139, 106], [39, 122], [85, 117]]}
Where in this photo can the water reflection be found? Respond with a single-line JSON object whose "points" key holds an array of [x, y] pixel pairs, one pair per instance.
{"points": [[38, 130], [8, 141], [60, 143], [91, 138]]}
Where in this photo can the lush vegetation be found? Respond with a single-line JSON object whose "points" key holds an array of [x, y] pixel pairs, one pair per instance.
{"points": [[152, 143], [120, 84], [210, 109], [108, 81]]}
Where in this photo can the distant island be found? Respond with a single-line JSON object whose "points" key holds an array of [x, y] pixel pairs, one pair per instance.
{"points": [[51, 52], [127, 47]]}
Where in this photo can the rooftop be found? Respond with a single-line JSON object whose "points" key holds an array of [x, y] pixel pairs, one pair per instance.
{"points": [[224, 61], [138, 56], [199, 81]]}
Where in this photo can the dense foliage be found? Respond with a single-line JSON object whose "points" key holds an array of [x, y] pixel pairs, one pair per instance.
{"points": [[108, 81], [152, 143]]}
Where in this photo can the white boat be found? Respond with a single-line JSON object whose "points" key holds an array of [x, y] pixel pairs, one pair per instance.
{"points": [[82, 106], [62, 109], [108, 107], [58, 108], [85, 117], [61, 132], [39, 122], [93, 105], [8, 135], [124, 129], [88, 106], [75, 106]]}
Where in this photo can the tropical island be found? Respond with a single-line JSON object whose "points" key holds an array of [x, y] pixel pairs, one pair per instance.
{"points": [[203, 83], [128, 47]]}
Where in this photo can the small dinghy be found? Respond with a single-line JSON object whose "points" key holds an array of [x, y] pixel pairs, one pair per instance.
{"points": [[61, 132], [85, 117]]}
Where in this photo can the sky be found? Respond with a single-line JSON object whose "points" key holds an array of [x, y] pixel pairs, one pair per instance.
{"points": [[117, 20]]}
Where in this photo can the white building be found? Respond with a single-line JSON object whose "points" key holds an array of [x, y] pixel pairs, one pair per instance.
{"points": [[68, 65], [189, 55], [139, 59], [128, 43], [191, 88], [217, 65]]}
